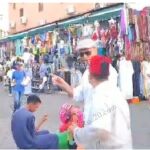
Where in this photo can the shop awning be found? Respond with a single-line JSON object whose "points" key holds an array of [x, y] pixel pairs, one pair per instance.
{"points": [[5, 39], [41, 30], [17, 36], [77, 20], [106, 14], [100, 15]]}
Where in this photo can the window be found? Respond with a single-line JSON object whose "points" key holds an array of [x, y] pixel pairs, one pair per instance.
{"points": [[40, 7], [14, 5], [21, 12]]}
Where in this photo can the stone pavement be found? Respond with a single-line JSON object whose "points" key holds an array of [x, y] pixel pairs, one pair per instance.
{"points": [[140, 118]]}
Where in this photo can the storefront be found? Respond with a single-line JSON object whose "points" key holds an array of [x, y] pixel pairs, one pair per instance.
{"points": [[63, 35]]}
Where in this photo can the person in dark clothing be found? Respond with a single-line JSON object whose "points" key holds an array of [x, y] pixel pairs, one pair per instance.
{"points": [[25, 134]]}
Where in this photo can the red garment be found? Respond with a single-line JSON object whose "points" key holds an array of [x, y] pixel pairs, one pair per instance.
{"points": [[63, 128], [143, 24], [96, 34], [113, 32]]}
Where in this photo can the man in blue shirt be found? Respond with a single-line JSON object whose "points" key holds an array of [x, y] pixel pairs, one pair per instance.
{"points": [[18, 77], [25, 134]]}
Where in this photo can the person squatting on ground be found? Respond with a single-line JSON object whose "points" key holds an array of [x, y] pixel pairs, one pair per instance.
{"points": [[25, 134]]}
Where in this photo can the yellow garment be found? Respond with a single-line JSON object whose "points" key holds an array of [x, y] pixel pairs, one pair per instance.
{"points": [[43, 50], [35, 51]]}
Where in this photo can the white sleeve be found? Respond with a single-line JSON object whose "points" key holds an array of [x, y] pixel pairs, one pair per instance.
{"points": [[99, 130], [78, 93], [87, 135]]}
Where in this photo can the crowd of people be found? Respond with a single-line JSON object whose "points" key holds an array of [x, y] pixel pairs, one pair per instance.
{"points": [[97, 127]]}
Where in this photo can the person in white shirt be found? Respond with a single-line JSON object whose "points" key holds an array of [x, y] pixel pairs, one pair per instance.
{"points": [[109, 123], [82, 93], [26, 56], [10, 84]]}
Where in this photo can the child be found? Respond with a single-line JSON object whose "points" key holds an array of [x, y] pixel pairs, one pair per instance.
{"points": [[70, 115]]}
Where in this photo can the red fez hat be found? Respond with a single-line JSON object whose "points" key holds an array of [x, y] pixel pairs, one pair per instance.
{"points": [[99, 65]]}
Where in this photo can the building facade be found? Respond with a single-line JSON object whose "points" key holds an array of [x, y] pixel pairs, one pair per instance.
{"points": [[23, 16]]}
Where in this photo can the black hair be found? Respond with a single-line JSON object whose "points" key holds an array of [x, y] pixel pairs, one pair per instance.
{"points": [[104, 73], [33, 99]]}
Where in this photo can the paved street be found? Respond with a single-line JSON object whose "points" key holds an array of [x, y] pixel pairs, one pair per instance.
{"points": [[140, 119]]}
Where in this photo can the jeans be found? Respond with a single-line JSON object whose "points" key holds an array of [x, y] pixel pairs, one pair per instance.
{"points": [[9, 87], [17, 99]]}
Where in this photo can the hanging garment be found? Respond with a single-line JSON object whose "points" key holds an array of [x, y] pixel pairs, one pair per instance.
{"points": [[148, 22], [136, 78], [146, 77], [33, 40], [18, 47], [79, 32], [43, 37], [146, 49], [87, 31], [130, 15], [131, 32], [123, 23], [143, 25], [137, 29], [114, 32], [141, 84], [125, 78]]}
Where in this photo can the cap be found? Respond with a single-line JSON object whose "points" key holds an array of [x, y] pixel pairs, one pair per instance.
{"points": [[85, 43], [99, 65]]}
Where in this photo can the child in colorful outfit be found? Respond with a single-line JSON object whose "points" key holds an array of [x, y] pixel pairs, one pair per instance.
{"points": [[70, 115]]}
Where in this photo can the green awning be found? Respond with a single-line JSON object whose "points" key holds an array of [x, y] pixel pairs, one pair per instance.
{"points": [[106, 14], [5, 39], [17, 36], [76, 20], [41, 30], [100, 15]]}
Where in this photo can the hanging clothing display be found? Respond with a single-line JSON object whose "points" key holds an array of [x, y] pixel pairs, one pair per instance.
{"points": [[125, 77]]}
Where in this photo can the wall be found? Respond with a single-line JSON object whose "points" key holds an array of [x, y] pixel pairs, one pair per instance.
{"points": [[51, 12]]}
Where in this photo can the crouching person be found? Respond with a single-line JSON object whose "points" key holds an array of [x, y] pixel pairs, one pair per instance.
{"points": [[25, 134]]}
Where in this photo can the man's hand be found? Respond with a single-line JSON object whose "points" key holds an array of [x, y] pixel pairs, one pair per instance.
{"points": [[58, 80], [43, 119], [62, 84]]}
